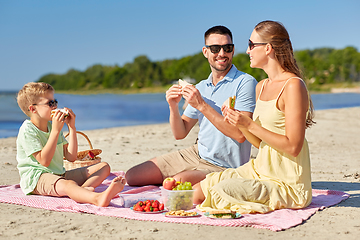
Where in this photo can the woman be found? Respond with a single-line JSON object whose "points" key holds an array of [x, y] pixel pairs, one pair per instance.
{"points": [[279, 177]]}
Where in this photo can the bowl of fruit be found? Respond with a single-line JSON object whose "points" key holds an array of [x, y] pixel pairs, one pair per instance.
{"points": [[148, 206], [177, 195]]}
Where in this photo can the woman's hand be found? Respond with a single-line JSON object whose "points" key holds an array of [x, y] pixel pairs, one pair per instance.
{"points": [[242, 122], [236, 118]]}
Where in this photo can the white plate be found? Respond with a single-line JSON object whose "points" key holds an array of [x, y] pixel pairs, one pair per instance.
{"points": [[147, 212], [238, 215], [176, 216]]}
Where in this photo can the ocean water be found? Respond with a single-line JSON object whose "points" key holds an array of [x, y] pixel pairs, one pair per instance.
{"points": [[116, 110]]}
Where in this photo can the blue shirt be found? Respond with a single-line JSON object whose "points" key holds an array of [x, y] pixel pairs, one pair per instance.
{"points": [[214, 146]]}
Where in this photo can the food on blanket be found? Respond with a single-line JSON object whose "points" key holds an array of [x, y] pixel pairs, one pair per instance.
{"points": [[183, 83], [230, 102], [177, 200], [63, 110], [183, 186], [181, 213], [222, 214], [148, 206], [169, 183], [161, 206]]}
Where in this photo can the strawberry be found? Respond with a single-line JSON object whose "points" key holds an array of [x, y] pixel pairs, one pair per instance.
{"points": [[155, 204], [147, 209], [137, 208], [161, 206], [91, 155]]}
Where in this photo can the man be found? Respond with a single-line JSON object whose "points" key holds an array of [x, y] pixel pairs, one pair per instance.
{"points": [[220, 145]]}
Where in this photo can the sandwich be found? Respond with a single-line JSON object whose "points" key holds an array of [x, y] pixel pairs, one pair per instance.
{"points": [[226, 213], [230, 102], [183, 83], [61, 110]]}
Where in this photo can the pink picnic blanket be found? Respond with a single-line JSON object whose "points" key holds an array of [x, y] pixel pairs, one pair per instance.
{"points": [[276, 221]]}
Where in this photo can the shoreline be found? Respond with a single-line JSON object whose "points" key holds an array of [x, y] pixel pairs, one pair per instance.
{"points": [[335, 163], [325, 88]]}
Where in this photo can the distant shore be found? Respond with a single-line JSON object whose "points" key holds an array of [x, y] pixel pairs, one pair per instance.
{"points": [[325, 88], [346, 90]]}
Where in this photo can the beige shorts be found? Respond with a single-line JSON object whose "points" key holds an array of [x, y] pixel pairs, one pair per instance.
{"points": [[183, 160], [47, 181]]}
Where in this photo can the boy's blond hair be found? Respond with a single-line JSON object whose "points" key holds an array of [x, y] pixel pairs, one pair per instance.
{"points": [[31, 93]]}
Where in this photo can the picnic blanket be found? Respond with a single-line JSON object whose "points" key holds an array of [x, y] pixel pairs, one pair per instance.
{"points": [[119, 207]]}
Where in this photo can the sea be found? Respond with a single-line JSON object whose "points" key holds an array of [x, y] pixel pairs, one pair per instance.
{"points": [[99, 111]]}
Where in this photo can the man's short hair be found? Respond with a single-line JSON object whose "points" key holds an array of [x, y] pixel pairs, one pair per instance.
{"points": [[222, 30]]}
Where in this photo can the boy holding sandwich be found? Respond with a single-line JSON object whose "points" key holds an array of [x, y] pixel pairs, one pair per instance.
{"points": [[220, 145], [41, 147]]}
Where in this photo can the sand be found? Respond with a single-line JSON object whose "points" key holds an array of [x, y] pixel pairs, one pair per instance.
{"points": [[335, 159]]}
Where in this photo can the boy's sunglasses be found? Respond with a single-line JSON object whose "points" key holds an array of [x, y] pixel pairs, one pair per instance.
{"points": [[50, 103], [252, 44], [216, 48]]}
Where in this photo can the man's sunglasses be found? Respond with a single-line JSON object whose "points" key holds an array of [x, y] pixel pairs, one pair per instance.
{"points": [[50, 103], [216, 48], [252, 44]]}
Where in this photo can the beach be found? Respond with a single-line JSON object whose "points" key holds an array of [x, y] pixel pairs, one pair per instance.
{"points": [[335, 161]]}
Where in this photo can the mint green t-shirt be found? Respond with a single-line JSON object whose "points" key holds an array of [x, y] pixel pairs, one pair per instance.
{"points": [[31, 140]]}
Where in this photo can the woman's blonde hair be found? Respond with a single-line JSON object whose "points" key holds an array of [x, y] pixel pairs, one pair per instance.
{"points": [[31, 93], [276, 34]]}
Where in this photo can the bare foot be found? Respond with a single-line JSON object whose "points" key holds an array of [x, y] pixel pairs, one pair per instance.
{"points": [[116, 186]]}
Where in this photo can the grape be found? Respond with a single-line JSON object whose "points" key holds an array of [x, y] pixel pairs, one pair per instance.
{"points": [[188, 188], [178, 199]]}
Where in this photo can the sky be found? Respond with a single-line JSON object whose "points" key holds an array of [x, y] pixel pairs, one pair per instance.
{"points": [[39, 37]]}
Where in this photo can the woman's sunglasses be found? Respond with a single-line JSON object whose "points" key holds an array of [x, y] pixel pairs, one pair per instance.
{"points": [[50, 103], [252, 44], [216, 48]]}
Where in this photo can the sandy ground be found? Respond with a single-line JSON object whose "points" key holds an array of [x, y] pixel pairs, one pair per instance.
{"points": [[335, 155]]}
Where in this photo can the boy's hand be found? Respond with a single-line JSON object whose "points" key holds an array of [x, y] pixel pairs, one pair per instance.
{"points": [[70, 120], [58, 121]]}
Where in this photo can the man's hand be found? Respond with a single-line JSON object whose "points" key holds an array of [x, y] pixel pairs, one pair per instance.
{"points": [[193, 97], [173, 95]]}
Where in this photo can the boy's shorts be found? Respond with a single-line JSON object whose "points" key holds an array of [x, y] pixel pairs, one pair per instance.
{"points": [[47, 181], [185, 159]]}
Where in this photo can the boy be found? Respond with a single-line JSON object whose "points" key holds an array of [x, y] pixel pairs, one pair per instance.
{"points": [[41, 148]]}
